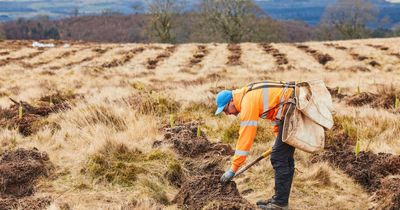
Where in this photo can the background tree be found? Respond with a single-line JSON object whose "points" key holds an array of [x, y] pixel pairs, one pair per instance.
{"points": [[231, 19], [163, 13], [350, 18]]}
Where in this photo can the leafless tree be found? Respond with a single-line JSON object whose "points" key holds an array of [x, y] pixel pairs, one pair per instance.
{"points": [[229, 18], [350, 17], [162, 14]]}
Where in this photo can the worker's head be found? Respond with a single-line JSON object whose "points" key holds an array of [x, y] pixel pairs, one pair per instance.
{"points": [[225, 103]]}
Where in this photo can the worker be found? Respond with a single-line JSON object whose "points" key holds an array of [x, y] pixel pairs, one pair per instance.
{"points": [[267, 101]]}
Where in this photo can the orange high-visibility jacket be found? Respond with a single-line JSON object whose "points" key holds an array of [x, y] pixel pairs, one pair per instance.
{"points": [[251, 105]]}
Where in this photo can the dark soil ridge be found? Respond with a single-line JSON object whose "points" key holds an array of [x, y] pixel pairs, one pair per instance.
{"points": [[336, 46], [6, 61], [152, 63], [127, 56], [199, 55], [367, 169], [28, 123], [318, 56], [280, 58], [384, 99], [234, 59], [20, 170], [200, 187]]}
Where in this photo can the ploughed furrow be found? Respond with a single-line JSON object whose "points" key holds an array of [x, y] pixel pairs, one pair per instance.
{"points": [[199, 55], [336, 46], [280, 58], [79, 61], [2, 53], [46, 58], [385, 49], [234, 59], [125, 57], [318, 56], [198, 181], [152, 63], [368, 60], [6, 61]]}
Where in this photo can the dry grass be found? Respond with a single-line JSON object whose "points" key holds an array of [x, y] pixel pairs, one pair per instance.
{"points": [[102, 147]]}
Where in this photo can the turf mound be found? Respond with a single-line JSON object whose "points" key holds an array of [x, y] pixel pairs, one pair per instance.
{"points": [[201, 188], [19, 170], [385, 98], [206, 192], [26, 117]]}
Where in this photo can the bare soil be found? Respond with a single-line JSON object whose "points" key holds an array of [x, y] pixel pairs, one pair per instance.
{"points": [[379, 47], [31, 203], [336, 46], [385, 100], [19, 171], [280, 58], [318, 56], [29, 122], [152, 63], [198, 56], [127, 56], [201, 188], [235, 55]]}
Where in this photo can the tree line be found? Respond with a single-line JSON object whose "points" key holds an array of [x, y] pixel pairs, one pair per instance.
{"points": [[232, 21]]}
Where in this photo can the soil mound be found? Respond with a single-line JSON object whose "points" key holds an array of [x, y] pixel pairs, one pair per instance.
{"points": [[201, 188], [385, 99], [207, 192], [19, 170], [186, 143], [234, 59], [26, 117], [336, 93]]}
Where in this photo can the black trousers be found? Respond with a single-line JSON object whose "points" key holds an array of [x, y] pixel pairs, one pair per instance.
{"points": [[283, 163]]}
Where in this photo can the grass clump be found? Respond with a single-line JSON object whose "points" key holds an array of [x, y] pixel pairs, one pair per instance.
{"points": [[154, 103], [104, 115], [115, 163]]}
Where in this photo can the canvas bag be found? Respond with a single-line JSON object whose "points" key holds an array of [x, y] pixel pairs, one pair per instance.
{"points": [[304, 121], [314, 100]]}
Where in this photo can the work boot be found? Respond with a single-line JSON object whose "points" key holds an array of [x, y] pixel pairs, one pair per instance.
{"points": [[273, 206], [265, 202]]}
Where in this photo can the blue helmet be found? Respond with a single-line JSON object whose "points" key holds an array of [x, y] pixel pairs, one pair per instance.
{"points": [[222, 99]]}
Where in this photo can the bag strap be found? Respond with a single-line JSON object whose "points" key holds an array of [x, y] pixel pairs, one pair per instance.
{"points": [[279, 84]]}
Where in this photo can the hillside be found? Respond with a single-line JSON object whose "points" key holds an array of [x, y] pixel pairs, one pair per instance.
{"points": [[131, 126]]}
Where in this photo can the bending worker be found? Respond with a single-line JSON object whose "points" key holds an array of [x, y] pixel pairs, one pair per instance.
{"points": [[267, 100]]}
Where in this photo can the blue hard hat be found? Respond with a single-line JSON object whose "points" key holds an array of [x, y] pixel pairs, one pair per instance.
{"points": [[222, 99]]}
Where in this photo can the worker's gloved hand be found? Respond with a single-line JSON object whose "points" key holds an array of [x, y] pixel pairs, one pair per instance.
{"points": [[227, 176]]}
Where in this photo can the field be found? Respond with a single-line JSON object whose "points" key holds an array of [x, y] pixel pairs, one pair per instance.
{"points": [[131, 126]]}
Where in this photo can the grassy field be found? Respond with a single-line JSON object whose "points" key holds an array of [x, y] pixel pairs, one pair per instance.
{"points": [[109, 106]]}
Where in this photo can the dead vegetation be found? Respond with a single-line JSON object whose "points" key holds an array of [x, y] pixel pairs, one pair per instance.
{"points": [[234, 59], [366, 168], [318, 56], [153, 62]]}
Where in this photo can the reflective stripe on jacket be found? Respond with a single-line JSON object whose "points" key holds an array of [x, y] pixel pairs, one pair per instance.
{"points": [[251, 106]]}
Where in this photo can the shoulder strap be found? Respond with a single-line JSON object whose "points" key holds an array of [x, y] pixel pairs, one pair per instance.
{"points": [[270, 84]]}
